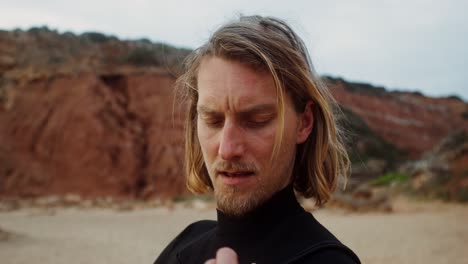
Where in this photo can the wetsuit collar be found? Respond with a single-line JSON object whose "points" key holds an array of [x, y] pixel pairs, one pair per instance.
{"points": [[283, 204]]}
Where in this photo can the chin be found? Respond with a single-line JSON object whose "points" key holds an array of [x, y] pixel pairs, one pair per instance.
{"points": [[234, 202]]}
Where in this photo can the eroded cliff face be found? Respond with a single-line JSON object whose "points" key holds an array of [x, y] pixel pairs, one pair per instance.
{"points": [[442, 172], [121, 135], [412, 122], [93, 115], [108, 135], [88, 114]]}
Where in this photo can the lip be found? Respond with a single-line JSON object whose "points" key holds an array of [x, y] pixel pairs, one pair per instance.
{"points": [[236, 180]]}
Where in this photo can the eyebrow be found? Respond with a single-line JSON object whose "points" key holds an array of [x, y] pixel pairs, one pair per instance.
{"points": [[250, 110]]}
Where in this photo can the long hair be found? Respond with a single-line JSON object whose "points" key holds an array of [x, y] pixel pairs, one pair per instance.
{"points": [[269, 44]]}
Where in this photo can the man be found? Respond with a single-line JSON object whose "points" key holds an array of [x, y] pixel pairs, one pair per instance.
{"points": [[260, 126]]}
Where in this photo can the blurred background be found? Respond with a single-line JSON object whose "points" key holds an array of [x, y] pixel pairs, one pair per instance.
{"points": [[91, 138]]}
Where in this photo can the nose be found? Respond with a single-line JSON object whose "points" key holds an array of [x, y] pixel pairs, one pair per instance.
{"points": [[231, 145]]}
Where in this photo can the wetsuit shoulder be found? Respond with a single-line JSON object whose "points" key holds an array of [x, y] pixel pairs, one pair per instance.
{"points": [[191, 233]]}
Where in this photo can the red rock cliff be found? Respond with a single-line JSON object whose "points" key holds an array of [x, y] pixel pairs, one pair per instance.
{"points": [[410, 121], [92, 135], [92, 115]]}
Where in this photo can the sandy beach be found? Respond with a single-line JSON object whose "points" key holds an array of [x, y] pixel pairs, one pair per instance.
{"points": [[416, 232]]}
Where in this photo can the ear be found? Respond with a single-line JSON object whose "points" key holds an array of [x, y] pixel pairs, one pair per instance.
{"points": [[306, 123]]}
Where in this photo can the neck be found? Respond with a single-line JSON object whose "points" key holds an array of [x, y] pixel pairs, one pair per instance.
{"points": [[273, 211]]}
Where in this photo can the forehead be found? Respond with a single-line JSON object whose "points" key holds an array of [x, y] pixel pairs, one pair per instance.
{"points": [[231, 84]]}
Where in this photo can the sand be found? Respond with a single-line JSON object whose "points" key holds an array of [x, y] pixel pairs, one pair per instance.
{"points": [[415, 233]]}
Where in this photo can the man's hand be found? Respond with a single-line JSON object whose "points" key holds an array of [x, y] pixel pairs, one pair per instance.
{"points": [[224, 255]]}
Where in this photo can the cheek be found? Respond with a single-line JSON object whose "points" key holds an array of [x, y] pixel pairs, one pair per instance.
{"points": [[202, 134], [207, 142], [262, 145]]}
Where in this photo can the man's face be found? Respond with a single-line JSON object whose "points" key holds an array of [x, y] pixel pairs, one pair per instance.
{"points": [[236, 125]]}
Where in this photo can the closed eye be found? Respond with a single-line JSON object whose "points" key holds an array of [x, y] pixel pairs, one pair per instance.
{"points": [[213, 122], [258, 122]]}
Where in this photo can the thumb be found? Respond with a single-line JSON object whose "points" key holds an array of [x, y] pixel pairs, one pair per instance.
{"points": [[226, 255]]}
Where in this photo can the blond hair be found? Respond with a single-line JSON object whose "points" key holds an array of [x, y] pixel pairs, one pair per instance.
{"points": [[269, 44]]}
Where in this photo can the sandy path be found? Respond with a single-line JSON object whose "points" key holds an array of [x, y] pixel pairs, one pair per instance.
{"points": [[427, 233]]}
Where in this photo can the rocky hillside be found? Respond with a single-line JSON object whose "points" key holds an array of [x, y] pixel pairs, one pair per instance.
{"points": [[95, 116], [442, 172], [98, 135], [88, 114], [412, 122], [41, 52]]}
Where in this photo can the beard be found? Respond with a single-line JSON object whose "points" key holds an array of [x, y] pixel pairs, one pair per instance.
{"points": [[235, 201]]}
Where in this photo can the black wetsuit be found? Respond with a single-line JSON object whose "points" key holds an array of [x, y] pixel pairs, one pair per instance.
{"points": [[280, 231]]}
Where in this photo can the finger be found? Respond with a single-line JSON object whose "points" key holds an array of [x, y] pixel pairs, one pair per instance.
{"points": [[226, 255], [210, 261]]}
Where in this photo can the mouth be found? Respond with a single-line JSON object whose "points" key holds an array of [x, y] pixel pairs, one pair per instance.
{"points": [[234, 174], [236, 178]]}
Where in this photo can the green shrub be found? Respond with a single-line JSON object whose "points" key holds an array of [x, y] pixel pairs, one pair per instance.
{"points": [[95, 37], [465, 115], [455, 97], [143, 56], [389, 178], [462, 195]]}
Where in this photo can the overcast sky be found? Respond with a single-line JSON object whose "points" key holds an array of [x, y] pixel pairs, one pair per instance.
{"points": [[417, 45]]}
